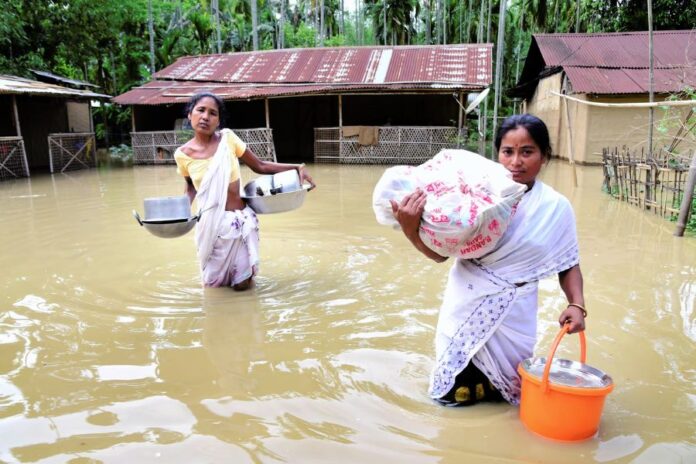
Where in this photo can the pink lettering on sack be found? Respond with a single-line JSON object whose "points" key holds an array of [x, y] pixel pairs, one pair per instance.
{"points": [[494, 227], [438, 188], [439, 219], [428, 231], [473, 213], [475, 243]]}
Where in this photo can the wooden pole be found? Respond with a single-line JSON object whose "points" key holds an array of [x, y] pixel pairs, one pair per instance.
{"points": [[151, 33], [499, 66], [651, 93], [461, 118], [686, 199], [340, 126], [16, 116], [268, 114], [570, 146], [560, 117], [268, 128]]}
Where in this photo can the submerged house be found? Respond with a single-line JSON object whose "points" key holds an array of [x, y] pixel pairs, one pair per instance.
{"points": [[44, 126], [347, 104], [606, 68]]}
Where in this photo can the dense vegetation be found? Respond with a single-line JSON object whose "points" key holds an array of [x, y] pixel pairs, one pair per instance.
{"points": [[107, 42]]}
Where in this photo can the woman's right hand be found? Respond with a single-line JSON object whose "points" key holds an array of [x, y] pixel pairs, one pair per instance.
{"points": [[408, 213]]}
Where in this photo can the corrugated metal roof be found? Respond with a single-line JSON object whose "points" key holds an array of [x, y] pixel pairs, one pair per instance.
{"points": [[19, 85], [616, 81], [277, 73], [619, 62], [618, 50], [61, 79], [165, 92]]}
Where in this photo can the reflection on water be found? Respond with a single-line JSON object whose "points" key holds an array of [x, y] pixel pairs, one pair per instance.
{"points": [[111, 351]]}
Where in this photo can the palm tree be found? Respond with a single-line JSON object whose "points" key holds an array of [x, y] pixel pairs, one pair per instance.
{"points": [[254, 24]]}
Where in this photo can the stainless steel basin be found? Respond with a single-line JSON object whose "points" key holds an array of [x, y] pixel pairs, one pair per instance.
{"points": [[275, 193], [278, 203], [167, 208]]}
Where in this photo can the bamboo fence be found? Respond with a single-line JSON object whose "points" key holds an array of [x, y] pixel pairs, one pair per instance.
{"points": [[654, 182]]}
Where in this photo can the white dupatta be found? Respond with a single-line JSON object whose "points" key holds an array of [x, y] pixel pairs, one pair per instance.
{"points": [[487, 316], [212, 196]]}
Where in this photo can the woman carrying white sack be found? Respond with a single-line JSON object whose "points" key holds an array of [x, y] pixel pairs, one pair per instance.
{"points": [[470, 201], [488, 319]]}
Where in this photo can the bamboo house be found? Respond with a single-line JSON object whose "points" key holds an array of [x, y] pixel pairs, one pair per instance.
{"points": [[339, 105]]}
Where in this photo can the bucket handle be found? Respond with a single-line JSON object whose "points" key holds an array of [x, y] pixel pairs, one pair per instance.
{"points": [[554, 346]]}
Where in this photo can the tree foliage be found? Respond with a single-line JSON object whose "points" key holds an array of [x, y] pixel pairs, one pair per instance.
{"points": [[106, 42]]}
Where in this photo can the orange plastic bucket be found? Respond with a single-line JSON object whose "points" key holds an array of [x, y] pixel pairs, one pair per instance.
{"points": [[565, 401]]}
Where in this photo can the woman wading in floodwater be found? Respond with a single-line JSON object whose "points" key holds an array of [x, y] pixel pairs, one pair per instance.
{"points": [[227, 235], [487, 322]]}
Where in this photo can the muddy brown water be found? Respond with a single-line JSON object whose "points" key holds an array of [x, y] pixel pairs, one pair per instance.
{"points": [[110, 350]]}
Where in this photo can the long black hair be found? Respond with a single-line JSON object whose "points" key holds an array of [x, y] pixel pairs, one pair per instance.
{"points": [[222, 113], [536, 128]]}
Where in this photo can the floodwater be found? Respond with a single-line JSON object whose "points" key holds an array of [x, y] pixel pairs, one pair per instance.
{"points": [[111, 351]]}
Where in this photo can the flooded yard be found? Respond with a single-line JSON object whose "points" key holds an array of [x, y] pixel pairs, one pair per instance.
{"points": [[111, 351]]}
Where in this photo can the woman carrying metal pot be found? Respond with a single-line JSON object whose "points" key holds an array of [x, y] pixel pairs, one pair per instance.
{"points": [[227, 237], [488, 319]]}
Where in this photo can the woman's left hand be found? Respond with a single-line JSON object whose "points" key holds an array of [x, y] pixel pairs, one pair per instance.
{"points": [[304, 176], [572, 316]]}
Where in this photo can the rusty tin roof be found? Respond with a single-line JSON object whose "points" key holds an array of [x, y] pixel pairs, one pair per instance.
{"points": [[290, 72], [21, 86], [614, 63]]}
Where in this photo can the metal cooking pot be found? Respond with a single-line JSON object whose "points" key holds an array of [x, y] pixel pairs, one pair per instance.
{"points": [[168, 228], [275, 193], [167, 208], [278, 203]]}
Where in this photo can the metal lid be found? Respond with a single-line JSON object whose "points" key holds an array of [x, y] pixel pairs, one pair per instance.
{"points": [[568, 373]]}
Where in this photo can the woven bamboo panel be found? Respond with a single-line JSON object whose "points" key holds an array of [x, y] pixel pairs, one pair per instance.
{"points": [[71, 151], [159, 147], [652, 181], [260, 141], [395, 145], [13, 158]]}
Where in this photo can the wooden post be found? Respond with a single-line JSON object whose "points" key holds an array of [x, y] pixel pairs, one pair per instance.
{"points": [[268, 115], [340, 127], [340, 111], [461, 118], [132, 118], [268, 127], [89, 110], [16, 116], [686, 199], [570, 146]]}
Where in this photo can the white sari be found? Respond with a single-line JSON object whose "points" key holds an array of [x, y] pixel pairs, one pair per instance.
{"points": [[488, 317], [227, 241]]}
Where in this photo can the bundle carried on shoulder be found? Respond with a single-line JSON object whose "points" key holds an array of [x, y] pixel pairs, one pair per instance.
{"points": [[470, 201]]}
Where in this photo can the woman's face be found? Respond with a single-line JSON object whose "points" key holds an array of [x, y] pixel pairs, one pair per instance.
{"points": [[205, 116], [520, 155]]}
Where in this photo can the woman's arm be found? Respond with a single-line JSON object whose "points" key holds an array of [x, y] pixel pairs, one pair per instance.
{"points": [[571, 283], [268, 167], [190, 190], [408, 214]]}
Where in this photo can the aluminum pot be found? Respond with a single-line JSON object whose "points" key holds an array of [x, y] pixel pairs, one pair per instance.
{"points": [[168, 228], [282, 182], [275, 193], [278, 203], [167, 208]]}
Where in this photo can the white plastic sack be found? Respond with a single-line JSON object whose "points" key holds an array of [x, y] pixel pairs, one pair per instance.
{"points": [[470, 201]]}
